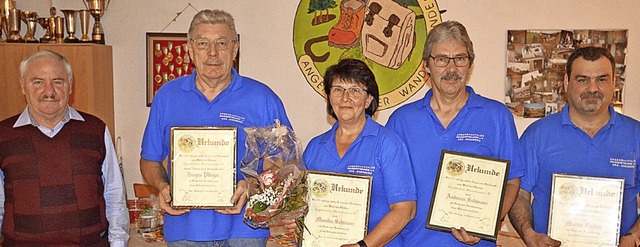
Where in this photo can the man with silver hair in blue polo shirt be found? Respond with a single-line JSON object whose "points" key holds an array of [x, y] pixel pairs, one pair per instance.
{"points": [[214, 95], [452, 116]]}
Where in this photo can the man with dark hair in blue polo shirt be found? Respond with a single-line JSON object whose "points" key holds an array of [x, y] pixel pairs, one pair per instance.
{"points": [[586, 138]]}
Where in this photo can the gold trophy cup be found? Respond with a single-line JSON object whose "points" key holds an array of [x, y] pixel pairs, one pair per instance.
{"points": [[1, 28], [31, 19], [14, 26], [97, 8], [70, 22], [44, 23], [85, 20], [5, 10], [58, 29]]}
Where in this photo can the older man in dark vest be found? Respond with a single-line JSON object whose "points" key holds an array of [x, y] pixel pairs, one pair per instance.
{"points": [[63, 185]]}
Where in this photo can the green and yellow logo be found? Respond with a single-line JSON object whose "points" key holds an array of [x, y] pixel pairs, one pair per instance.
{"points": [[387, 35]]}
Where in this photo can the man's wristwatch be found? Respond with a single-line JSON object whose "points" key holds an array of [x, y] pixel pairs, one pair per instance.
{"points": [[636, 239], [361, 243]]}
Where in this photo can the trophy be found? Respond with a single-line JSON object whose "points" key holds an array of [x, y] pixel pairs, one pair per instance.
{"points": [[5, 10], [31, 19], [85, 20], [97, 9], [14, 27], [70, 22], [44, 23], [1, 28], [58, 29]]}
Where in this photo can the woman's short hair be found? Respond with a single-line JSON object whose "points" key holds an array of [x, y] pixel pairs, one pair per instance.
{"points": [[356, 71]]}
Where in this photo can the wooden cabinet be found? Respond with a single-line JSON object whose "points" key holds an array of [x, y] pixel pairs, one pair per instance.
{"points": [[92, 89]]}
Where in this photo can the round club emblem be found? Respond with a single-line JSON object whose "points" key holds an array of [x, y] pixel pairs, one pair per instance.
{"points": [[388, 35]]}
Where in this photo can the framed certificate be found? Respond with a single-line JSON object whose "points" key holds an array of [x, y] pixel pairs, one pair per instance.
{"points": [[203, 166], [468, 193], [585, 211], [338, 208]]}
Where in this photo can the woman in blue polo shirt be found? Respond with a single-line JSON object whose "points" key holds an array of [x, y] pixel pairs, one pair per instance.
{"points": [[356, 144]]}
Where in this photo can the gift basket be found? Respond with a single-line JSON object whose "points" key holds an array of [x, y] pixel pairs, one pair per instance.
{"points": [[275, 173]]}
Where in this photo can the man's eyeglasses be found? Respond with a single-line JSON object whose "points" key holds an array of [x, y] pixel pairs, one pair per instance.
{"points": [[204, 44], [443, 61], [353, 91]]}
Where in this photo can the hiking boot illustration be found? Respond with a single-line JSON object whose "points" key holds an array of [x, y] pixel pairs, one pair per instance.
{"points": [[346, 33]]}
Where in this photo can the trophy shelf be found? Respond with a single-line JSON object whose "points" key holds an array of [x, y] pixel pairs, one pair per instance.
{"points": [[92, 88]]}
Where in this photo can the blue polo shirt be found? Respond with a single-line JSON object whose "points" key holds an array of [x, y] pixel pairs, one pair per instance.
{"points": [[376, 152], [482, 127], [244, 103], [555, 145]]}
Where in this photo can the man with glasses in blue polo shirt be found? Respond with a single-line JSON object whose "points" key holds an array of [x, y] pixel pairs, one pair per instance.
{"points": [[452, 116], [214, 95]]}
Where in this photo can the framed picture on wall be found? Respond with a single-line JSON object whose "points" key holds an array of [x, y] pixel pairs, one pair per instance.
{"points": [[167, 59], [536, 66]]}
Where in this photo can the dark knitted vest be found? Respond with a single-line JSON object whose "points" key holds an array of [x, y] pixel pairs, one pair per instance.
{"points": [[53, 186]]}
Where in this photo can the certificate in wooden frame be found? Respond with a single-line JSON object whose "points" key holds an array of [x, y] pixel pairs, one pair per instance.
{"points": [[168, 58], [202, 158], [468, 192], [338, 208], [585, 210]]}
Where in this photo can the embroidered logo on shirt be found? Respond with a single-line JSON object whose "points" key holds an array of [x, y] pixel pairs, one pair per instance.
{"points": [[360, 169], [231, 117], [469, 137], [616, 162]]}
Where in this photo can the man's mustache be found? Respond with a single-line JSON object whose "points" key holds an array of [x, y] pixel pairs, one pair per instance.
{"points": [[451, 76], [49, 98], [591, 95]]}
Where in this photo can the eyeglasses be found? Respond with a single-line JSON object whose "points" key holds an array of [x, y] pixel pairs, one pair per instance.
{"points": [[443, 61], [205, 44], [353, 91]]}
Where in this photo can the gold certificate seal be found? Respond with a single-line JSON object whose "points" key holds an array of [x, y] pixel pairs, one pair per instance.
{"points": [[320, 188], [568, 191], [186, 143], [455, 167]]}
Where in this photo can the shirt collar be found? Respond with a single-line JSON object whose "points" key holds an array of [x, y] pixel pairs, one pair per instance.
{"points": [[473, 101], [613, 119], [235, 84], [25, 117], [370, 129]]}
